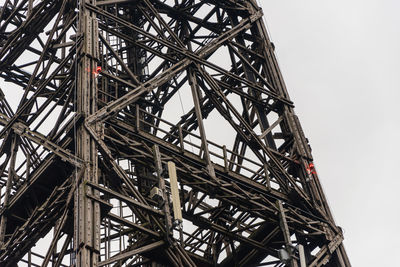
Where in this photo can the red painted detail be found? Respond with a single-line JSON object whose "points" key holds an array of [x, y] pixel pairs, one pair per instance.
{"points": [[310, 169]]}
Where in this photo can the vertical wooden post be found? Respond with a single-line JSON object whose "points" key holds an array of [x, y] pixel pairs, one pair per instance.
{"points": [[29, 258], [28, 167], [137, 108], [10, 178], [197, 106], [30, 4], [181, 138], [267, 179], [286, 233], [176, 203], [301, 255], [87, 211], [226, 167], [161, 186]]}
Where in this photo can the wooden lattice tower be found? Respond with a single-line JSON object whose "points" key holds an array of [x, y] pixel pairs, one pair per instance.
{"points": [[152, 133]]}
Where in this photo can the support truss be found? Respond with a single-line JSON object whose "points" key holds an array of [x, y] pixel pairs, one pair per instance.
{"points": [[102, 101]]}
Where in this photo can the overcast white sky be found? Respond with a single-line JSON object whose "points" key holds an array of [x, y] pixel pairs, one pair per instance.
{"points": [[341, 63]]}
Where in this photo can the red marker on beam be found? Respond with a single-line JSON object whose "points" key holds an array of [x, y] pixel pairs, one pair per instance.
{"points": [[311, 169]]}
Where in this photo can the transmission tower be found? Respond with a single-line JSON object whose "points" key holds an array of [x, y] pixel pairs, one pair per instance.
{"points": [[152, 133]]}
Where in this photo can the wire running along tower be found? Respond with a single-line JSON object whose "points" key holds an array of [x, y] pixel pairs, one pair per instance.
{"points": [[102, 167]]}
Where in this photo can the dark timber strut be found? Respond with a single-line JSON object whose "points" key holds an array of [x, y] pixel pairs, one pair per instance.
{"points": [[152, 133]]}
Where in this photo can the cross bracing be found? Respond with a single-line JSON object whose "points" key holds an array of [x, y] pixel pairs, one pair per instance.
{"points": [[103, 101]]}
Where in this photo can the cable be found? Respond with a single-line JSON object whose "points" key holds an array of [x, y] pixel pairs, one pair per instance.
{"points": [[265, 21], [269, 35]]}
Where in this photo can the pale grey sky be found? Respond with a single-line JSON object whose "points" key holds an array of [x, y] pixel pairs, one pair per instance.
{"points": [[341, 62]]}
